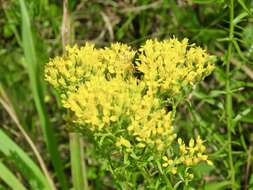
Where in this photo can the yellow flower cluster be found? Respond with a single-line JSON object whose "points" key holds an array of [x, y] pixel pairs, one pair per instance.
{"points": [[120, 94], [78, 65], [152, 128], [171, 65], [104, 104], [188, 155]]}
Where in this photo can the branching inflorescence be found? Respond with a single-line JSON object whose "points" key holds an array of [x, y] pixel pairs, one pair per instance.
{"points": [[123, 98]]}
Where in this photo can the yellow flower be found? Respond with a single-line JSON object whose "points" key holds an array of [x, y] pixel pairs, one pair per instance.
{"points": [[174, 170], [191, 143], [123, 142], [141, 145]]}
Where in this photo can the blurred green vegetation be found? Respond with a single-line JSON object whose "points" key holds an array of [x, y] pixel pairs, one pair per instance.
{"points": [[30, 33]]}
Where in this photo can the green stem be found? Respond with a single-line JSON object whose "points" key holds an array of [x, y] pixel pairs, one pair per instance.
{"points": [[169, 185], [78, 168], [229, 106], [77, 162]]}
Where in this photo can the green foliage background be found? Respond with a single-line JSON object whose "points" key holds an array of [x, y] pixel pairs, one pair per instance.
{"points": [[220, 108]]}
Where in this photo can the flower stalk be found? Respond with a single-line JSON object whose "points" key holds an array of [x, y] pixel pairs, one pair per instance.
{"points": [[78, 169], [229, 105]]}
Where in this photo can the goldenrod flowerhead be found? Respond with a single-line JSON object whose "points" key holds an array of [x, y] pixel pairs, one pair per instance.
{"points": [[120, 96]]}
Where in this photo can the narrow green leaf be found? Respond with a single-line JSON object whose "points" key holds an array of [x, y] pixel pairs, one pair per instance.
{"points": [[217, 185], [238, 49], [77, 163], [251, 182], [177, 184], [204, 1], [121, 31], [7, 176], [36, 85], [243, 5], [242, 114], [11, 150], [239, 18]]}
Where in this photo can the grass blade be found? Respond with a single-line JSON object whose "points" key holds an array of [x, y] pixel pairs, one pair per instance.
{"points": [[7, 176], [77, 163], [28, 168], [6, 103], [36, 85]]}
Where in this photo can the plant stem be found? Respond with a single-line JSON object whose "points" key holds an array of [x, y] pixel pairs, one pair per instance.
{"points": [[169, 185], [77, 162], [229, 106], [78, 170]]}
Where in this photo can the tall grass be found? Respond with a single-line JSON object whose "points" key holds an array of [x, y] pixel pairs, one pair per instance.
{"points": [[35, 75], [5, 102]]}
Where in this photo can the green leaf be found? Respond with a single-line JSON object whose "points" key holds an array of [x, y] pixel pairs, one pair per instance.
{"points": [[7, 176], [242, 114], [239, 18], [251, 182], [79, 175], [24, 163], [243, 5], [217, 185], [122, 30], [248, 35], [238, 49], [206, 1], [36, 86]]}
